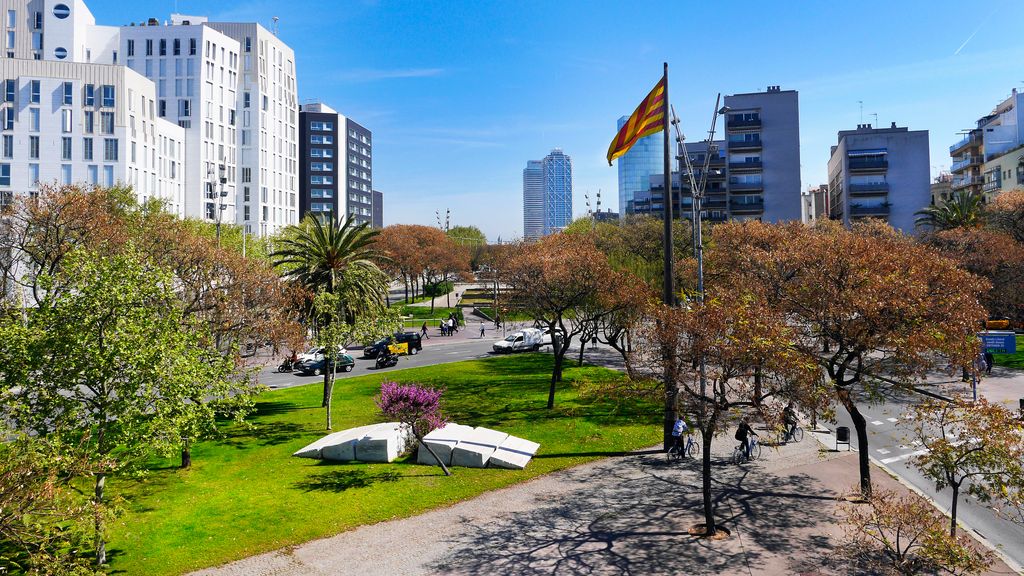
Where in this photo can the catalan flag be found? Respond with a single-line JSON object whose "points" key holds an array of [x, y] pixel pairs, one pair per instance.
{"points": [[647, 119]]}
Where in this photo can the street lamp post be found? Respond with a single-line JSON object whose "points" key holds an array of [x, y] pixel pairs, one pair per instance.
{"points": [[218, 195]]}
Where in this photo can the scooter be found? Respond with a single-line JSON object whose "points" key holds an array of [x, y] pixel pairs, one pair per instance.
{"points": [[286, 366], [386, 359]]}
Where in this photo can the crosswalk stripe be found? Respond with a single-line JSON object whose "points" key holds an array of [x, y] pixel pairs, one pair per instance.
{"points": [[892, 419], [903, 456], [883, 451], [877, 422]]}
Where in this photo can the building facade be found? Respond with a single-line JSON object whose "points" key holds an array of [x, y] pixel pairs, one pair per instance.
{"points": [[533, 200], [644, 159], [815, 204], [715, 206], [1003, 172], [557, 169], [942, 188], [377, 220], [763, 155], [985, 159], [359, 165], [319, 185], [879, 173]]}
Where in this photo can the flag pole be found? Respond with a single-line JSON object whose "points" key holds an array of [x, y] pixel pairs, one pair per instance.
{"points": [[668, 294]]}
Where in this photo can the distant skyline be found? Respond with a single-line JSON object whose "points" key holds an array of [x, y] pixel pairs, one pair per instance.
{"points": [[460, 95]]}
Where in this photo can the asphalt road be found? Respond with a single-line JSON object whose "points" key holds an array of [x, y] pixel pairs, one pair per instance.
{"points": [[889, 439]]}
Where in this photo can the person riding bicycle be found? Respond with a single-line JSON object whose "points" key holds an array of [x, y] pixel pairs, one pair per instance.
{"points": [[789, 419], [743, 434], [678, 429]]}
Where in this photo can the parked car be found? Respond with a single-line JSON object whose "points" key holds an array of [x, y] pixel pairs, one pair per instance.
{"points": [[317, 353], [343, 363], [545, 339], [412, 341], [526, 339]]}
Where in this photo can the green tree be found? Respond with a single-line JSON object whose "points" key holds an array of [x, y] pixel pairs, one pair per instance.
{"points": [[473, 239], [339, 258], [962, 210], [107, 364], [977, 443]]}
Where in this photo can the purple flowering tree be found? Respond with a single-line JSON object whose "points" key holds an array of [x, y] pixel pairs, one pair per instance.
{"points": [[417, 406]]}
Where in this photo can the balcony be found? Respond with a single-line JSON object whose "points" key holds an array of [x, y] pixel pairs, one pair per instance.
{"points": [[744, 166], [877, 210], [738, 207], [967, 181], [972, 139], [715, 217], [868, 164], [749, 144], [966, 163], [991, 185], [873, 189], [742, 124], [713, 204], [745, 187]]}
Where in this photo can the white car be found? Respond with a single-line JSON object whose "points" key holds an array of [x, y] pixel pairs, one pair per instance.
{"points": [[317, 353], [545, 339], [523, 340]]}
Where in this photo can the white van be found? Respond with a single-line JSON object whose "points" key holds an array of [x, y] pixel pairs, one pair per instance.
{"points": [[526, 339]]}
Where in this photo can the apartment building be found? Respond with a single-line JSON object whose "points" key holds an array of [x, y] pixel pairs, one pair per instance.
{"points": [[71, 115], [879, 173], [986, 159], [359, 177], [715, 206], [336, 171]]}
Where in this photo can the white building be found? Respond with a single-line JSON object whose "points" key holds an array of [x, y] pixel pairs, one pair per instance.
{"points": [[202, 114]]}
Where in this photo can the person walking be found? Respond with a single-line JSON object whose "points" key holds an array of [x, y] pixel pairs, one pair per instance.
{"points": [[423, 331], [989, 361], [481, 330]]}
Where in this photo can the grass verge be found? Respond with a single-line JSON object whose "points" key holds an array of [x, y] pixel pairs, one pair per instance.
{"points": [[245, 494], [1015, 360]]}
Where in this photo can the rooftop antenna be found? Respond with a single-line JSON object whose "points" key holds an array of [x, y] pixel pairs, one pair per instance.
{"points": [[275, 19], [875, 114]]}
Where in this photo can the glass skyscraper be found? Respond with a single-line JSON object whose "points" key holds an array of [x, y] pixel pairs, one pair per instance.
{"points": [[636, 167], [547, 195]]}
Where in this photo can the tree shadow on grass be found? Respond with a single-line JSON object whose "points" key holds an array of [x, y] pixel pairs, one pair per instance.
{"points": [[263, 434], [274, 407], [342, 480], [629, 518]]}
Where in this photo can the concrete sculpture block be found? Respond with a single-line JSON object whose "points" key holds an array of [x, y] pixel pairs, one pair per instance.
{"points": [[383, 443], [474, 451], [442, 441], [314, 450], [343, 446], [514, 453]]}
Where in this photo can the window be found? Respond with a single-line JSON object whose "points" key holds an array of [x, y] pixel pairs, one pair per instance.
{"points": [[149, 68], [87, 149], [163, 47], [321, 126], [265, 102], [33, 118], [107, 122], [90, 121], [5, 174], [33, 175], [33, 92], [248, 43], [176, 50], [8, 150], [94, 177], [108, 176], [12, 18], [10, 39], [245, 190], [191, 50], [246, 100], [322, 193], [38, 21], [110, 149], [246, 174], [163, 67], [65, 173], [321, 139], [90, 95], [108, 96], [33, 147], [163, 108], [66, 120], [68, 93], [322, 166], [131, 48], [61, 11], [184, 108], [65, 148], [9, 90], [37, 41], [321, 180], [149, 47]]}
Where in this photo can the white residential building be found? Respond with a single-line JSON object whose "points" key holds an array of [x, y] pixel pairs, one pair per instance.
{"points": [[202, 114]]}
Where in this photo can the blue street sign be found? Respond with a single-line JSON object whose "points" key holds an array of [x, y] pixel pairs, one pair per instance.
{"points": [[999, 341]]}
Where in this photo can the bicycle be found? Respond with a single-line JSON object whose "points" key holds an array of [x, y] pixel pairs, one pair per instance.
{"points": [[796, 436], [739, 455], [679, 452]]}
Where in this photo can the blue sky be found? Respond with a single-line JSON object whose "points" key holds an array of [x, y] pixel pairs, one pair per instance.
{"points": [[459, 95]]}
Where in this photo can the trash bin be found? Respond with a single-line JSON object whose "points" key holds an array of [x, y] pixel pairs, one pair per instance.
{"points": [[1021, 401], [843, 437]]}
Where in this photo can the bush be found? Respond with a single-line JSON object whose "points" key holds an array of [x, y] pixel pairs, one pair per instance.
{"points": [[438, 289]]}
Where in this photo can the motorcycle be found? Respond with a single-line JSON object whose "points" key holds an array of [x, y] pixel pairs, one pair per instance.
{"points": [[286, 366], [386, 359]]}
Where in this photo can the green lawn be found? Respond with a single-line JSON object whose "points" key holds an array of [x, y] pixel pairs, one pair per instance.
{"points": [[1012, 360], [246, 494]]}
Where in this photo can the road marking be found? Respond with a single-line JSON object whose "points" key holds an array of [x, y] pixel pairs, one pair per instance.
{"points": [[892, 419], [916, 442], [877, 422], [883, 451], [903, 456]]}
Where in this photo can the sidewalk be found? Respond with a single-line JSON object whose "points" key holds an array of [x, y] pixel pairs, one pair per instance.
{"points": [[1003, 385], [621, 515]]}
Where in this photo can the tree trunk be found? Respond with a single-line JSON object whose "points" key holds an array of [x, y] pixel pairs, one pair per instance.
{"points": [[952, 509], [101, 543], [707, 435], [329, 390], [186, 453], [583, 346], [444, 468], [405, 280], [556, 372], [432, 298], [860, 424]]}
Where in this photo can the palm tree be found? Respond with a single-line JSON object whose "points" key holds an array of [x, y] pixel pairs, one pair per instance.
{"points": [[334, 257], [962, 210]]}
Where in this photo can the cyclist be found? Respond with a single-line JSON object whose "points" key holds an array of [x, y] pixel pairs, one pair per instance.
{"points": [[789, 419], [678, 430], [743, 435]]}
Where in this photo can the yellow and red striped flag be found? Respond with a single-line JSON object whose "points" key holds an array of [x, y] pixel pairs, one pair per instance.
{"points": [[647, 119]]}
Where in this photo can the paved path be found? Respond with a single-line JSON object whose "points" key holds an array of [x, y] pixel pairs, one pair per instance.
{"points": [[620, 515]]}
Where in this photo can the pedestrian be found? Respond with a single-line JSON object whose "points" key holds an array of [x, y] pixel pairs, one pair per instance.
{"points": [[453, 327], [424, 331], [497, 321], [481, 330], [989, 361], [444, 328]]}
